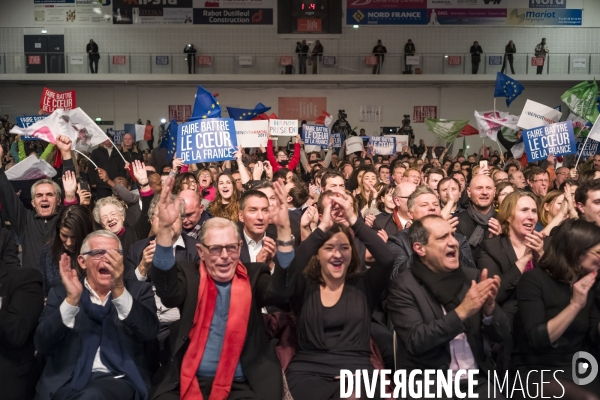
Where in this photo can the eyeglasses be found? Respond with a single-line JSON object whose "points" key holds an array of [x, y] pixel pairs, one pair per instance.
{"points": [[217, 250], [99, 253], [541, 181], [112, 215], [204, 175]]}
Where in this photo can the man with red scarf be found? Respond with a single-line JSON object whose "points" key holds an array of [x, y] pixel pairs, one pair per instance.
{"points": [[220, 349]]}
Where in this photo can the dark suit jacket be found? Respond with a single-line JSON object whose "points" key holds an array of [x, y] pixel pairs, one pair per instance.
{"points": [[466, 227], [61, 345], [134, 256], [498, 256], [245, 254], [385, 222], [178, 287], [424, 332], [22, 305]]}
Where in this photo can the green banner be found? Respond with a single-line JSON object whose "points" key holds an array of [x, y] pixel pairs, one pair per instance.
{"points": [[582, 100], [445, 129]]}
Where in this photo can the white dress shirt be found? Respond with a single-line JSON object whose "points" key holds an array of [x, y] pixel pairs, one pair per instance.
{"points": [[123, 305], [254, 247], [165, 314]]}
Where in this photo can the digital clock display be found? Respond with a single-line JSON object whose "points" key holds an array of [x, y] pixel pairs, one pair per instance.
{"points": [[309, 6]]}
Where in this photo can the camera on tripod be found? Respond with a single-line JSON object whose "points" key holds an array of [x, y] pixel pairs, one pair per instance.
{"points": [[342, 114]]}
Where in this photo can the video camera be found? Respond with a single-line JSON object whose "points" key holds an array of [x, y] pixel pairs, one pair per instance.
{"points": [[406, 120], [342, 114]]}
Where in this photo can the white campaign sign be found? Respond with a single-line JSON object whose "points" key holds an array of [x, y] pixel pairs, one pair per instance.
{"points": [[354, 144], [401, 141], [30, 168], [535, 114], [283, 127], [252, 133]]}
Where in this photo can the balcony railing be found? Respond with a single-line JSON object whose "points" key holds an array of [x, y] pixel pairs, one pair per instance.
{"points": [[332, 64]]}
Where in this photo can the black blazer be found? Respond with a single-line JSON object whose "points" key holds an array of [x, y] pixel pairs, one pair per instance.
{"points": [[466, 227], [178, 287], [134, 256], [22, 305], [245, 254], [498, 257], [61, 345], [424, 332], [385, 222]]}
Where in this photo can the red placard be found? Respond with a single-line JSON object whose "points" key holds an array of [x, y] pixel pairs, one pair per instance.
{"points": [[422, 112], [537, 61], [34, 60], [310, 25], [180, 113], [286, 60], [308, 108], [52, 100], [204, 60], [371, 60], [119, 60], [454, 60]]}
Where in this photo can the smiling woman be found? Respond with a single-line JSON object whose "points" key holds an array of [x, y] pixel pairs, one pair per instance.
{"points": [[226, 204]]}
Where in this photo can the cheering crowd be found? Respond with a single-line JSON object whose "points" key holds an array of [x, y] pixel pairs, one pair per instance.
{"points": [[263, 277]]}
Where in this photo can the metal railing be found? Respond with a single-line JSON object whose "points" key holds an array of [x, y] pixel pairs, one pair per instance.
{"points": [[333, 64]]}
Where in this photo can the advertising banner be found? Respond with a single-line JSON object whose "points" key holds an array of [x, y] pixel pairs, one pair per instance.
{"points": [[52, 100], [537, 16], [238, 16], [422, 112], [386, 4], [180, 113], [556, 139], [467, 16], [482, 4], [206, 140], [378, 16], [308, 108]]}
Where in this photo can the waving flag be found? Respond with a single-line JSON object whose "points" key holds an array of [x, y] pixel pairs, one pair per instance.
{"points": [[205, 105], [324, 119], [582, 100], [490, 122], [445, 129], [75, 124], [169, 140], [507, 87], [244, 114], [468, 130]]}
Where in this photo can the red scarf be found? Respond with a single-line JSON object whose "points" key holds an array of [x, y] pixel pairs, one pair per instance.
{"points": [[235, 334], [396, 219]]}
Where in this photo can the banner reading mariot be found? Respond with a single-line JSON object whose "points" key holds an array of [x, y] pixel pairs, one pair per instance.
{"points": [[52, 100]]}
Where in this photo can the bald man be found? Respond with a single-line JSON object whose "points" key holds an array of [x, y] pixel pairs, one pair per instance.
{"points": [[479, 221], [195, 215]]}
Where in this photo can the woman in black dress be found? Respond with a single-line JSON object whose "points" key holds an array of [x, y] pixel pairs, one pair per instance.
{"points": [[333, 300], [558, 312]]}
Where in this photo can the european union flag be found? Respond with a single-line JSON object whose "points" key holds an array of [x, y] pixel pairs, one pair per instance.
{"points": [[507, 87], [169, 141], [205, 106], [244, 114]]}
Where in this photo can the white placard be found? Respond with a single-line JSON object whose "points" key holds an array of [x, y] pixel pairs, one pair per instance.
{"points": [[579, 62], [354, 144], [283, 127], [245, 60], [309, 148], [401, 141], [252, 133], [76, 60], [413, 60], [535, 114]]}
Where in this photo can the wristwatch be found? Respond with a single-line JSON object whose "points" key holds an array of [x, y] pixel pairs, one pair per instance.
{"points": [[286, 242]]}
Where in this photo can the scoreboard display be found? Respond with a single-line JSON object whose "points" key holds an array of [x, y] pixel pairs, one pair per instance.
{"points": [[309, 16]]}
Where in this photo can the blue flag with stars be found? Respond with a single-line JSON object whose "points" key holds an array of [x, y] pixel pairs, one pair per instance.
{"points": [[205, 105], [169, 141], [244, 114], [507, 87]]}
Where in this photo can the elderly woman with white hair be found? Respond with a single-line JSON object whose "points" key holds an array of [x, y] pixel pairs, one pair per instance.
{"points": [[110, 212]]}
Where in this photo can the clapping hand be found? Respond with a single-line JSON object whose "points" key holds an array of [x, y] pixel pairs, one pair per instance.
{"points": [[70, 185], [70, 280]]}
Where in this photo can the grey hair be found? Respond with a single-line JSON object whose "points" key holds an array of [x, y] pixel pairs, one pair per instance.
{"points": [[218, 223], [85, 246], [105, 201], [419, 191], [57, 190], [154, 203], [418, 233]]}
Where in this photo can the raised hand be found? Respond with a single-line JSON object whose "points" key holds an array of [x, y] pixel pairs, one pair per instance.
{"points": [[146, 261], [102, 174], [268, 169], [370, 220], [140, 173], [345, 203], [167, 209], [267, 253], [535, 241], [326, 219], [177, 163], [70, 185], [85, 196], [490, 303], [475, 298], [280, 215], [115, 266], [64, 143], [383, 235], [258, 170], [581, 288], [308, 217], [494, 227], [70, 280]]}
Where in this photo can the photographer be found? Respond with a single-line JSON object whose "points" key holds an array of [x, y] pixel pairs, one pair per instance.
{"points": [[341, 125], [190, 52]]}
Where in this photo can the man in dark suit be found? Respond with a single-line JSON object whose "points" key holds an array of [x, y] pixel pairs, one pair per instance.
{"points": [[219, 347], [440, 314], [21, 304], [92, 331], [258, 237], [395, 222], [267, 188], [108, 159], [195, 214], [479, 221]]}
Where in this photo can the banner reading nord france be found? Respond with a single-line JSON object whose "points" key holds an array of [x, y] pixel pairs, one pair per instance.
{"points": [[556, 139], [206, 140]]}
